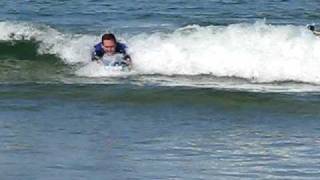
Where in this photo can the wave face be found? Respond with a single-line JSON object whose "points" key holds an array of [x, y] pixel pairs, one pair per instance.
{"points": [[70, 48], [257, 52]]}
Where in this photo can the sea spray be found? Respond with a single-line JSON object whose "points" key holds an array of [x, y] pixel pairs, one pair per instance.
{"points": [[70, 48], [258, 52]]}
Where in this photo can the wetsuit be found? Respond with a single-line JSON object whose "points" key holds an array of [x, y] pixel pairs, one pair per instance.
{"points": [[98, 51]]}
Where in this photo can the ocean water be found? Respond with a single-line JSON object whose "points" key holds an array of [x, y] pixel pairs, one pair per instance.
{"points": [[219, 89]]}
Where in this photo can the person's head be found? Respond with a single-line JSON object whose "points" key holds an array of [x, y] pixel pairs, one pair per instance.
{"points": [[311, 27], [109, 43]]}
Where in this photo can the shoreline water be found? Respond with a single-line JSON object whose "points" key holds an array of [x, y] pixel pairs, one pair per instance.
{"points": [[112, 131]]}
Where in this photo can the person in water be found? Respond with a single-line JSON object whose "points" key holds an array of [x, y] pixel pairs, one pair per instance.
{"points": [[110, 46], [313, 29]]}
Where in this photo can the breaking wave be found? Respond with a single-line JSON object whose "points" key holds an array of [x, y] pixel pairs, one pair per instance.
{"points": [[258, 52]]}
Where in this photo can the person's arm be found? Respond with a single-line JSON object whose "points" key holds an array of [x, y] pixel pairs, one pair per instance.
{"points": [[126, 57], [127, 60], [313, 29], [97, 52], [94, 56], [317, 33]]}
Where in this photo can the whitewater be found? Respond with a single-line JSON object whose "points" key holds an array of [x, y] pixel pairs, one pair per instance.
{"points": [[257, 52]]}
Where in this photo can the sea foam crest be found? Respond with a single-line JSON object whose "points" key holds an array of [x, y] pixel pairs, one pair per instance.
{"points": [[258, 52], [71, 48]]}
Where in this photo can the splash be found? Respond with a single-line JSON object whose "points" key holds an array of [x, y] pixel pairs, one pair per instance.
{"points": [[70, 48], [257, 52]]}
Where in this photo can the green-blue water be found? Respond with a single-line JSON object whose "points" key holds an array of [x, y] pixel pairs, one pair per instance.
{"points": [[216, 91]]}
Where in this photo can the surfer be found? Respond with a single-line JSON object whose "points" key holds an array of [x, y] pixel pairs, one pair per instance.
{"points": [[110, 47], [313, 29]]}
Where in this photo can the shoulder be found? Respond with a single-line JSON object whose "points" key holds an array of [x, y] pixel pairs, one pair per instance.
{"points": [[98, 50], [98, 46], [121, 47], [317, 33]]}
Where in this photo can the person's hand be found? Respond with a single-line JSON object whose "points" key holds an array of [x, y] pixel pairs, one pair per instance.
{"points": [[127, 59], [124, 62], [95, 58], [98, 61]]}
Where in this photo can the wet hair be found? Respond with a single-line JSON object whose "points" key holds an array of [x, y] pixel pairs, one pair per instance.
{"points": [[109, 36], [311, 27]]}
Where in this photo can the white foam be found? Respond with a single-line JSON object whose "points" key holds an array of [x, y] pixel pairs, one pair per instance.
{"points": [[258, 52], [70, 48], [95, 69]]}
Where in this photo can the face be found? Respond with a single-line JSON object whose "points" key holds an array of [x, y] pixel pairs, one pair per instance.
{"points": [[109, 47]]}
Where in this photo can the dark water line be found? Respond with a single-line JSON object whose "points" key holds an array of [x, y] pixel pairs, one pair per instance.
{"points": [[291, 104], [24, 50]]}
